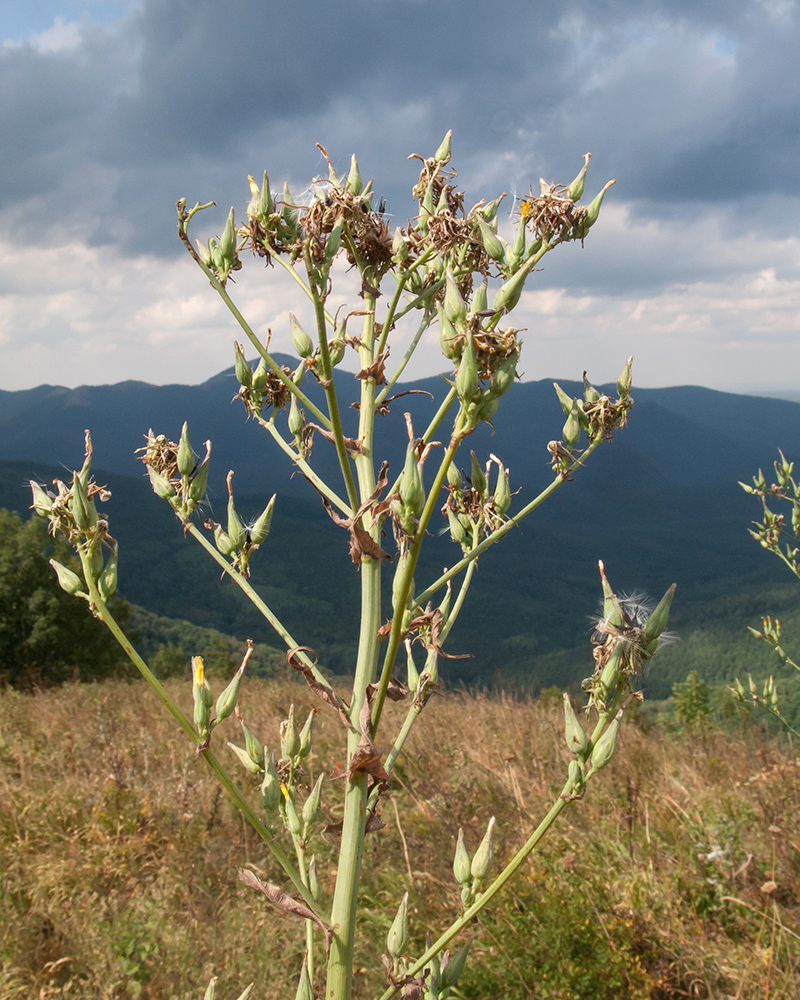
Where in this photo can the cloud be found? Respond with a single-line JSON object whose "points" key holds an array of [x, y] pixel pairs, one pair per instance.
{"points": [[693, 107]]}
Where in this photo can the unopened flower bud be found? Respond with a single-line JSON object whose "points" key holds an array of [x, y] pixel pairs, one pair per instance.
{"points": [[411, 487], [658, 620], [42, 502], [478, 478], [467, 384], [244, 758], [575, 190], [397, 938], [162, 487], [593, 210], [185, 456], [461, 862], [576, 738], [244, 373], [289, 812], [297, 419], [454, 305], [443, 153], [67, 580], [199, 481], [107, 581], [301, 340], [452, 972], [271, 794], [484, 856], [604, 749], [625, 380], [480, 300], [572, 428], [290, 739], [354, 183], [311, 806], [306, 735], [84, 512], [399, 247], [202, 696], [492, 243], [448, 337], [227, 700]]}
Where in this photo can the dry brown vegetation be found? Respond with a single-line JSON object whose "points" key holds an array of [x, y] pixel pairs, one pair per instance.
{"points": [[678, 875]]}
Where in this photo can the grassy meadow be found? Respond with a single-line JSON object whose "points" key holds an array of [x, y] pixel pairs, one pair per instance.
{"points": [[678, 874]]}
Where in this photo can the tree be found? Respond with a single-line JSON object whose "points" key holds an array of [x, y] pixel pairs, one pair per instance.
{"points": [[45, 636]]}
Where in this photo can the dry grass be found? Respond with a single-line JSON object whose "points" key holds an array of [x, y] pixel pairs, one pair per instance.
{"points": [[677, 875]]}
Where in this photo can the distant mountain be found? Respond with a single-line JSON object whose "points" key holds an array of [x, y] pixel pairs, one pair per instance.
{"points": [[660, 504]]}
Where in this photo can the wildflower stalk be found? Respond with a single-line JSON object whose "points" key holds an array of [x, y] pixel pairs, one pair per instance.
{"points": [[211, 759]]}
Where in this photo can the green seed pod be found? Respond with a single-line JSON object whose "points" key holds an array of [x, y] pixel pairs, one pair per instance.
{"points": [[301, 340], [467, 384], [311, 806], [572, 428], [336, 351], [577, 740], [612, 612], [199, 481], [211, 992], [227, 700], [306, 735], [461, 862], [609, 675], [449, 341], [332, 244], [290, 818], [355, 185], [492, 243], [443, 153], [255, 750], [484, 856], [575, 190], [590, 394], [67, 580], [305, 990], [593, 211], [515, 252], [480, 299], [604, 749], [290, 739], [398, 579], [260, 376], [657, 622], [508, 294], [458, 532], [42, 502], [452, 972], [397, 938], [455, 307], [489, 211], [236, 529], [244, 758], [260, 530], [84, 512], [503, 376], [297, 418], [478, 478], [107, 581], [399, 247], [625, 380], [313, 880], [565, 400], [244, 373], [502, 492], [225, 544], [454, 476], [484, 409], [227, 243], [411, 668], [162, 487], [271, 794], [186, 460], [411, 487], [289, 215]]}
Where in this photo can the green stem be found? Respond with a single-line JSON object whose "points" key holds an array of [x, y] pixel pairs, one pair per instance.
{"points": [[330, 387], [244, 584], [268, 359], [319, 484], [504, 529], [423, 326], [208, 755], [469, 914]]}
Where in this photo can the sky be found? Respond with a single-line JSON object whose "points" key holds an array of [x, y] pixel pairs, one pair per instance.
{"points": [[111, 110]]}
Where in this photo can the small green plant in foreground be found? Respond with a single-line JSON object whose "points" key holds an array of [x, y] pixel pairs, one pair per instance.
{"points": [[782, 538], [434, 272]]}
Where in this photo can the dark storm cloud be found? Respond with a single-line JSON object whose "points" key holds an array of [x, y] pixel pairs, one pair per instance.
{"points": [[686, 103]]}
